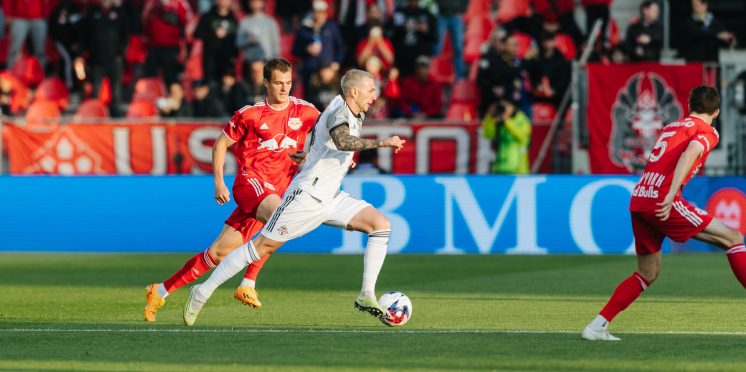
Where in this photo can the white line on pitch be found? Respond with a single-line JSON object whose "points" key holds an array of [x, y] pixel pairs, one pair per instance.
{"points": [[346, 331]]}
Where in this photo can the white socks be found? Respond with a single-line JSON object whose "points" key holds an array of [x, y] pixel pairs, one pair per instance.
{"points": [[230, 266], [247, 282], [375, 253], [599, 324], [162, 290]]}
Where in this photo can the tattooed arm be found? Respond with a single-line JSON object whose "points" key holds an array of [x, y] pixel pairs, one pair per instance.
{"points": [[347, 142]]}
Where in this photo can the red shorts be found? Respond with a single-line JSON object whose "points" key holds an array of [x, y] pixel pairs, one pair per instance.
{"points": [[684, 222], [248, 192]]}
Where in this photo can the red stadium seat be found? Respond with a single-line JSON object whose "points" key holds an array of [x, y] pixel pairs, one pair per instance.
{"points": [[566, 45], [193, 65], [137, 51], [92, 109], [286, 47], [542, 112], [142, 109], [441, 69], [462, 111], [42, 113], [53, 89], [21, 97], [28, 70], [104, 94], [465, 91], [149, 89]]}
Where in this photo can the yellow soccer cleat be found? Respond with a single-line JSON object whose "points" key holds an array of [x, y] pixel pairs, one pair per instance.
{"points": [[153, 302], [248, 296]]}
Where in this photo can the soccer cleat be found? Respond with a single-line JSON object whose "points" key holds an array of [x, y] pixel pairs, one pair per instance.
{"points": [[594, 335], [370, 305], [190, 314], [248, 296], [153, 302]]}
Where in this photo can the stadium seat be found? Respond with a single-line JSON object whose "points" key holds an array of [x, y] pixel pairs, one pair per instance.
{"points": [[461, 111], [465, 91], [137, 51], [150, 88], [53, 89], [193, 65], [477, 8], [104, 94], [142, 109], [42, 113], [441, 70], [21, 96], [286, 47], [542, 112], [524, 43], [28, 70], [566, 45], [92, 109]]}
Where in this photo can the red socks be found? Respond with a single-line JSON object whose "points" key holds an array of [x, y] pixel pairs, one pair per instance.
{"points": [[737, 258], [627, 292], [192, 269], [253, 270]]}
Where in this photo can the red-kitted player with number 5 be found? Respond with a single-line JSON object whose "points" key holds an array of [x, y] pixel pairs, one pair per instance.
{"points": [[658, 210]]}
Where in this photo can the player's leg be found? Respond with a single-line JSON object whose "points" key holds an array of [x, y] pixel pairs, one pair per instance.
{"points": [[730, 240], [358, 215], [228, 239], [648, 242], [297, 215], [246, 291]]}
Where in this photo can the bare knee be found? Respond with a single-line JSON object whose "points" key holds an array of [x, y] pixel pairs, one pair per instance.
{"points": [[381, 223], [218, 250], [735, 237], [649, 274]]}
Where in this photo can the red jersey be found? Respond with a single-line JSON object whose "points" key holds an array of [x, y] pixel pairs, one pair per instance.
{"points": [[264, 136], [672, 141]]}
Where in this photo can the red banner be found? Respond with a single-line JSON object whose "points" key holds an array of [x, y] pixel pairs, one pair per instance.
{"points": [[185, 148], [628, 105]]}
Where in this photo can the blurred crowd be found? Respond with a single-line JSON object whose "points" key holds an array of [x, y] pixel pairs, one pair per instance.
{"points": [[449, 59]]}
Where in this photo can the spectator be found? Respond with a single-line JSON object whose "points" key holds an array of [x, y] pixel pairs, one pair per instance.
{"points": [[174, 105], [509, 129], [258, 35], [291, 12], [414, 34], [595, 10], [645, 38], [217, 30], [499, 75], [616, 56], [703, 35], [424, 96], [257, 92], [451, 19], [324, 86], [550, 72], [164, 22], [105, 37], [375, 45], [318, 40], [205, 104], [232, 93], [64, 28], [374, 18], [560, 13], [26, 16], [374, 65]]}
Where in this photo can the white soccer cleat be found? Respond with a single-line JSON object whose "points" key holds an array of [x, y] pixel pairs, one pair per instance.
{"points": [[190, 312], [594, 335]]}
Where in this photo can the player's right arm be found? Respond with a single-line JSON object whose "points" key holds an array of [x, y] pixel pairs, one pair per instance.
{"points": [[686, 161], [347, 142], [219, 149]]}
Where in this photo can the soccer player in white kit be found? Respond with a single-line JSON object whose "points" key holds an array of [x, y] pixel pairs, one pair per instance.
{"points": [[314, 198]]}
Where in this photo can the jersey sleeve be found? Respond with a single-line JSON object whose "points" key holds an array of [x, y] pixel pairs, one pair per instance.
{"points": [[310, 116], [237, 127], [708, 138], [337, 120]]}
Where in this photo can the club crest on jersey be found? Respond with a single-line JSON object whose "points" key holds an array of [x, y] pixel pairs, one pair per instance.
{"points": [[294, 123], [278, 143], [282, 230], [637, 116], [270, 186]]}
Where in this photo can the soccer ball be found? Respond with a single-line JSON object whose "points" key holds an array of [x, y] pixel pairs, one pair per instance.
{"points": [[398, 306]]}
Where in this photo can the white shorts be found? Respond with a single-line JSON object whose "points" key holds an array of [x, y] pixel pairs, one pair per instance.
{"points": [[300, 213]]}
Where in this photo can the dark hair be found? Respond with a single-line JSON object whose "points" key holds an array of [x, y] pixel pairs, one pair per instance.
{"points": [[280, 64], [704, 100], [646, 4]]}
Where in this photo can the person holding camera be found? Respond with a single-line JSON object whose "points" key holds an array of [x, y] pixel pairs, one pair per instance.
{"points": [[509, 129]]}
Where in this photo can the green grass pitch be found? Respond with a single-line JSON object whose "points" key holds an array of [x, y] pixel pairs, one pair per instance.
{"points": [[84, 312]]}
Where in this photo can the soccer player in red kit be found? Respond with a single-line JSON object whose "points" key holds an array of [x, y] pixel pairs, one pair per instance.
{"points": [[658, 210], [267, 139]]}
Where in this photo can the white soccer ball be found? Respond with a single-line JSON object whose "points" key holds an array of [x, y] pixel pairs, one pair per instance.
{"points": [[398, 306]]}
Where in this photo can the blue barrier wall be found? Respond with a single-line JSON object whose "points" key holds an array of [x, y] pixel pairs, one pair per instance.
{"points": [[429, 214]]}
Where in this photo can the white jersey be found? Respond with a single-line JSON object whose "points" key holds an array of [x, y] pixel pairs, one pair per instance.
{"points": [[325, 165]]}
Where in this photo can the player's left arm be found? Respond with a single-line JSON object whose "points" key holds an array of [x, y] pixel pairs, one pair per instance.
{"points": [[347, 142], [687, 159]]}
